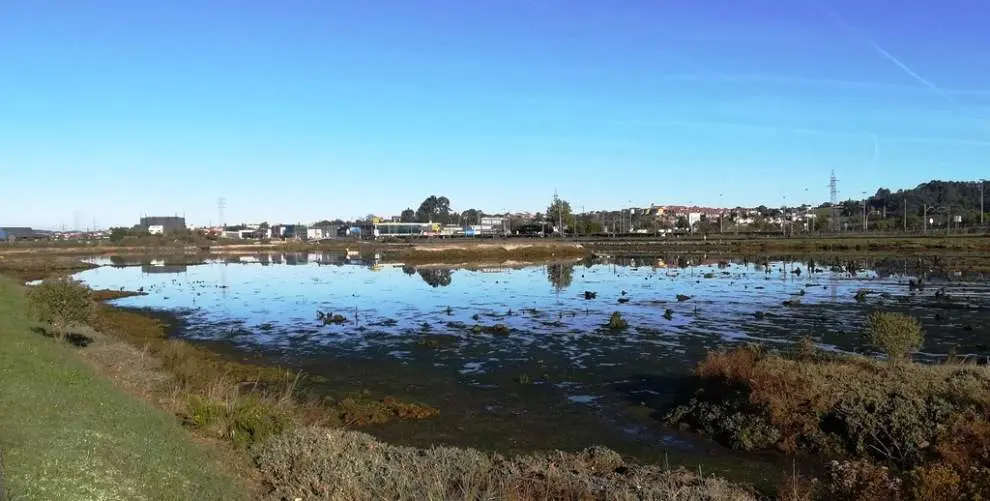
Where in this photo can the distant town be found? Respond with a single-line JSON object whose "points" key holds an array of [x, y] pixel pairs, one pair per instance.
{"points": [[934, 206]]}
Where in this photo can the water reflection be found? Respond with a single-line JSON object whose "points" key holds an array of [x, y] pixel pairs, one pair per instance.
{"points": [[560, 275], [436, 277], [163, 268], [555, 335]]}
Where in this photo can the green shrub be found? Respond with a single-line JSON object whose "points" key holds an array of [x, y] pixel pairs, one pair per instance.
{"points": [[61, 302], [243, 420], [616, 322], [896, 334]]}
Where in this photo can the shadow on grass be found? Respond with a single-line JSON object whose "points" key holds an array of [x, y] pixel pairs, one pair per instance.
{"points": [[73, 338]]}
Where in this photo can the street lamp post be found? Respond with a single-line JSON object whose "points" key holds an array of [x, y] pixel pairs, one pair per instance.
{"points": [[938, 210], [630, 217]]}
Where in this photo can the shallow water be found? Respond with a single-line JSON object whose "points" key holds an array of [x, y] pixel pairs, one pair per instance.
{"points": [[551, 375]]}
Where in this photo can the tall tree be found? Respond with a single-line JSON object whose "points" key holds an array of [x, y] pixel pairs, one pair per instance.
{"points": [[559, 213], [408, 216], [471, 216], [435, 209]]}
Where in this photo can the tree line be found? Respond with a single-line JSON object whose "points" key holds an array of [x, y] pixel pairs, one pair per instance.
{"points": [[962, 195]]}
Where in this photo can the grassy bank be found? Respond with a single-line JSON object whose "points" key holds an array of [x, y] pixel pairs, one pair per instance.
{"points": [[68, 433], [896, 430]]}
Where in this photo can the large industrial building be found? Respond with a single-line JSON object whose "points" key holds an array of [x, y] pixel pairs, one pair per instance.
{"points": [[159, 225], [11, 234]]}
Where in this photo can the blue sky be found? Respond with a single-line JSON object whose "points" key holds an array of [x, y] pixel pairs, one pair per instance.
{"points": [[302, 110]]}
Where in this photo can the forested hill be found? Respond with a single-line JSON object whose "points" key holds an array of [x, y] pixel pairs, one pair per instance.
{"points": [[957, 197]]}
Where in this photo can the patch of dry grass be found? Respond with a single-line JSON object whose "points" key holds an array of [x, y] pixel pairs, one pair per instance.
{"points": [[333, 464]]}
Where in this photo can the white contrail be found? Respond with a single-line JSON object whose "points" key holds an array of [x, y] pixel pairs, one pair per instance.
{"points": [[897, 62], [804, 80], [883, 52]]}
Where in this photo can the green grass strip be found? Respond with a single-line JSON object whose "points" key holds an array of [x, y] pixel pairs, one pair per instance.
{"points": [[67, 433]]}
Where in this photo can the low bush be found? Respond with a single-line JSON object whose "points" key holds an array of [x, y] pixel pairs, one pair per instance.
{"points": [[616, 322], [363, 411], [860, 481], [60, 303], [329, 464], [898, 335]]}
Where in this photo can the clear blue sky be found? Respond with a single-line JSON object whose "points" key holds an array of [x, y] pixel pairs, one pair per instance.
{"points": [[296, 111]]}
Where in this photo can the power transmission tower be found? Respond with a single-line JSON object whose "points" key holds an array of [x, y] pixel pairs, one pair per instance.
{"points": [[221, 205], [833, 189]]}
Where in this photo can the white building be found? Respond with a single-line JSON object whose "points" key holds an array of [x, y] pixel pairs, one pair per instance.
{"points": [[316, 234], [491, 224]]}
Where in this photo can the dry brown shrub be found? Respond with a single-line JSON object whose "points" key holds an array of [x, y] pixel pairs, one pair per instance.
{"points": [[935, 482], [799, 488], [965, 442], [841, 406], [862, 481]]}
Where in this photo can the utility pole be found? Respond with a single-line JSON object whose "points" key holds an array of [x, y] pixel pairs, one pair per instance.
{"points": [[905, 214], [833, 189], [981, 203], [865, 229], [721, 215], [924, 217], [221, 205]]}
